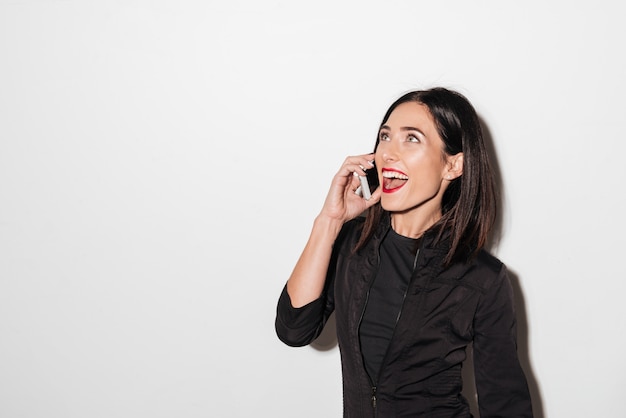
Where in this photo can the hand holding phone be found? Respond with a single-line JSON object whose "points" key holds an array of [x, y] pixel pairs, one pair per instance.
{"points": [[369, 182]]}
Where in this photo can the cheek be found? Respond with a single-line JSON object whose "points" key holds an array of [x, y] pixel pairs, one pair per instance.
{"points": [[427, 167], [426, 186], [427, 178]]}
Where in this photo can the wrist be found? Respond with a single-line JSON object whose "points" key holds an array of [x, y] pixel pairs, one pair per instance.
{"points": [[327, 224]]}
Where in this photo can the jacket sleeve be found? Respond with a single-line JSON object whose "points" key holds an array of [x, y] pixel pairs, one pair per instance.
{"points": [[297, 327], [500, 381]]}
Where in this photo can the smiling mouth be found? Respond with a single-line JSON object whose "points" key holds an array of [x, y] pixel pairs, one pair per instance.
{"points": [[393, 180]]}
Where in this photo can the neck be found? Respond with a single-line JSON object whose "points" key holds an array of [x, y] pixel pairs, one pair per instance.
{"points": [[412, 225]]}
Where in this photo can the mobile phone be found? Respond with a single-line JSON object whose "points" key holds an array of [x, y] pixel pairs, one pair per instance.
{"points": [[369, 182]]}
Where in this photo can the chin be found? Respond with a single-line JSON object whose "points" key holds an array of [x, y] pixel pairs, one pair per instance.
{"points": [[390, 206]]}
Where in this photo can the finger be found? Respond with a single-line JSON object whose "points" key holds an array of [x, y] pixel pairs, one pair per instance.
{"points": [[359, 164], [375, 198], [356, 182]]}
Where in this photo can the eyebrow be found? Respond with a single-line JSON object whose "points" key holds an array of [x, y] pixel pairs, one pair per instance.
{"points": [[404, 128]]}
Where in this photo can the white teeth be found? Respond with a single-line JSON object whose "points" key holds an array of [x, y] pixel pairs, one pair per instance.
{"points": [[394, 175]]}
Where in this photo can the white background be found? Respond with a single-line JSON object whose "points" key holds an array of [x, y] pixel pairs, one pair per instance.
{"points": [[161, 163]]}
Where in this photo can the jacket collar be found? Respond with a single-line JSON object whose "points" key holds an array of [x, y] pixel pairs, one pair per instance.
{"points": [[433, 250]]}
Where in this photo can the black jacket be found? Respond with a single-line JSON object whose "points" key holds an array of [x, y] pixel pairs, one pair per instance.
{"points": [[444, 311]]}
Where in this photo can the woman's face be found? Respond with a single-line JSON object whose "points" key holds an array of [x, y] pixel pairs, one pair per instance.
{"points": [[411, 164]]}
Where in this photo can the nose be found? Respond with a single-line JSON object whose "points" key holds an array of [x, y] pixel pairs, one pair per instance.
{"points": [[389, 151], [387, 157]]}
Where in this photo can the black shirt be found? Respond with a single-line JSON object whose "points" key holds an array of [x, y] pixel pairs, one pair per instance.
{"points": [[384, 302]]}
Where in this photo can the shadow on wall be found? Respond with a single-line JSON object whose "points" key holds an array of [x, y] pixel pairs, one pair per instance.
{"points": [[496, 231], [327, 340], [522, 346], [520, 306]]}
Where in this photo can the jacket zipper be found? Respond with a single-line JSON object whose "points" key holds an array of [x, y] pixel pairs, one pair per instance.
{"points": [[367, 296], [374, 399], [406, 290]]}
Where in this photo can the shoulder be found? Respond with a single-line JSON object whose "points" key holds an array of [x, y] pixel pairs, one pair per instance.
{"points": [[488, 262], [483, 272]]}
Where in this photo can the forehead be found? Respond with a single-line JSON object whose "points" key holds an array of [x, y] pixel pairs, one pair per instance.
{"points": [[411, 114]]}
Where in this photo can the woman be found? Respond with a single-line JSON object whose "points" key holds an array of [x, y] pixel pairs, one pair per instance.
{"points": [[410, 283]]}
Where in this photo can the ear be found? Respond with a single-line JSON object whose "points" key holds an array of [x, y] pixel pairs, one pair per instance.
{"points": [[454, 166]]}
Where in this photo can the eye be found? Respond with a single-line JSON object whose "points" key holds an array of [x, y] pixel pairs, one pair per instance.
{"points": [[383, 137], [412, 138]]}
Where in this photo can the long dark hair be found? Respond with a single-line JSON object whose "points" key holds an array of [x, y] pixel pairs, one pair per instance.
{"points": [[470, 203]]}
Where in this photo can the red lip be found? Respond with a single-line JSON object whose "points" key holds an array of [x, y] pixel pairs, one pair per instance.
{"points": [[386, 181], [393, 170]]}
